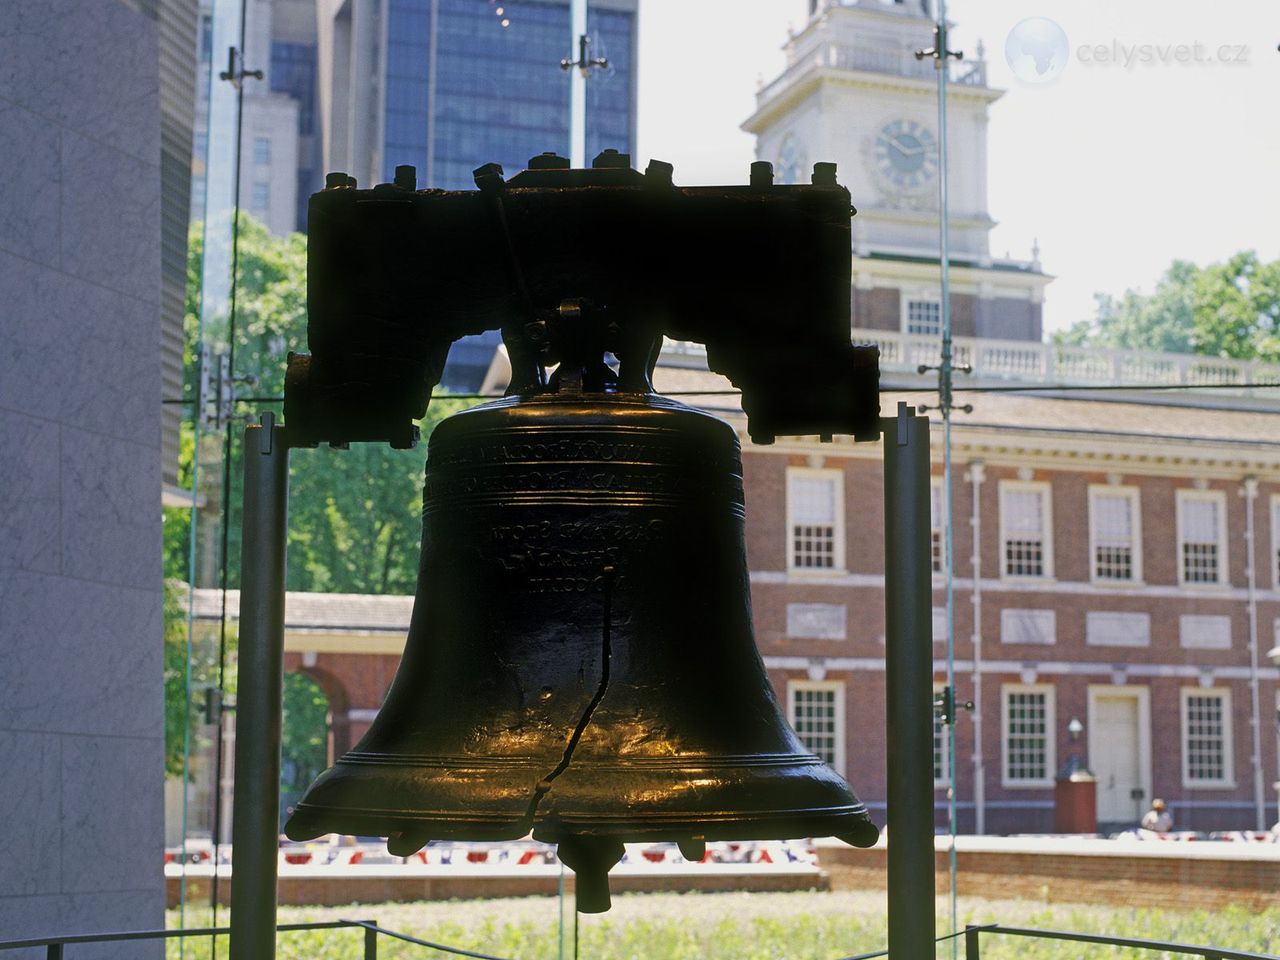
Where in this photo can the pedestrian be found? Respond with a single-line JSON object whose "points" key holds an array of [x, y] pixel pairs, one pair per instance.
{"points": [[1158, 819]]}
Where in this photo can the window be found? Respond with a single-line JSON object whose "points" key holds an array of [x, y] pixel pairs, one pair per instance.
{"points": [[261, 198], [1107, 628], [1114, 533], [261, 150], [1028, 626], [816, 708], [1028, 736], [923, 317], [937, 554], [1206, 738], [1025, 526], [1203, 632], [815, 519], [941, 745], [817, 621], [1201, 536]]}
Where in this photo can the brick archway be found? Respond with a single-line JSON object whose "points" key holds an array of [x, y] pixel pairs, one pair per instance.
{"points": [[339, 739]]}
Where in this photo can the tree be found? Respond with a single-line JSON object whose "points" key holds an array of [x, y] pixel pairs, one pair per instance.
{"points": [[304, 741], [354, 515], [1229, 309], [1237, 309]]}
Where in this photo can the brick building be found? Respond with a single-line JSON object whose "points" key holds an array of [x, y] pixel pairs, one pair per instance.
{"points": [[1102, 573]]}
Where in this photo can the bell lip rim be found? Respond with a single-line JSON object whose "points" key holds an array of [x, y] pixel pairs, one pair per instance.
{"points": [[838, 822]]}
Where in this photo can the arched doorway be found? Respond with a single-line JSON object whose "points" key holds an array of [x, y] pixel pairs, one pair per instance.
{"points": [[306, 737]]}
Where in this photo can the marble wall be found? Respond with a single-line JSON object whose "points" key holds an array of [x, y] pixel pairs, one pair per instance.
{"points": [[81, 696]]}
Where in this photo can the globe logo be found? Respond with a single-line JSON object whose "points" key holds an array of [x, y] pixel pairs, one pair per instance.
{"points": [[1036, 49]]}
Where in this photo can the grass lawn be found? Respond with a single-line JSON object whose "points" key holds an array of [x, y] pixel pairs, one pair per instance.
{"points": [[729, 926]]}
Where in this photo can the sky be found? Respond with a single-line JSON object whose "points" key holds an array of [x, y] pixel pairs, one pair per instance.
{"points": [[1116, 170]]}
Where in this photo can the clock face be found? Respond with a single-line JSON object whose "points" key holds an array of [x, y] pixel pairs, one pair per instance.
{"points": [[790, 168], [906, 154]]}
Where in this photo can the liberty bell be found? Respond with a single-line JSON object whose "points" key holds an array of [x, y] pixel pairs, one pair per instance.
{"points": [[580, 663]]}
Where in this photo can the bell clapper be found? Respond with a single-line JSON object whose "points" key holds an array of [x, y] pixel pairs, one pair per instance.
{"points": [[591, 859], [406, 844], [693, 849]]}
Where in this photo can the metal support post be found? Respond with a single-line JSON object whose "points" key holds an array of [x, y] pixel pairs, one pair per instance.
{"points": [[255, 823], [908, 598], [370, 944], [971, 948]]}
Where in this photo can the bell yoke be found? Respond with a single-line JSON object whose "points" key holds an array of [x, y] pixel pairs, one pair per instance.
{"points": [[580, 663]]}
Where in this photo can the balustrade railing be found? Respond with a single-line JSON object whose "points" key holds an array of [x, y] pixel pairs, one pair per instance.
{"points": [[1047, 364], [898, 61]]}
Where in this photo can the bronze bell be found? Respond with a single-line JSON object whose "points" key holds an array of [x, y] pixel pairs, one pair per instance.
{"points": [[580, 662]]}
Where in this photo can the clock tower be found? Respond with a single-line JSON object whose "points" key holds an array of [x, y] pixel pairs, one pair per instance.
{"points": [[854, 92]]}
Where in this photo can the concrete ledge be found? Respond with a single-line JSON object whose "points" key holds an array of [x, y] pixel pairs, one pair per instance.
{"points": [[332, 886], [1155, 873]]}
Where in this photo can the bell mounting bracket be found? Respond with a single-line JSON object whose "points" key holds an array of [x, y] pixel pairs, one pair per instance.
{"points": [[759, 273]]}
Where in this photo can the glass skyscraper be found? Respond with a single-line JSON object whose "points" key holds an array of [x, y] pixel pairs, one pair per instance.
{"points": [[499, 95]]}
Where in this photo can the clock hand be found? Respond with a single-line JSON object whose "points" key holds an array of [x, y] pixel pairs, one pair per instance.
{"points": [[897, 145]]}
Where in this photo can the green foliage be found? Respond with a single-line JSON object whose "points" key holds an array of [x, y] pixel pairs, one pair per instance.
{"points": [[741, 926], [304, 736], [175, 677], [354, 515], [1237, 309], [1229, 309], [178, 714], [176, 530]]}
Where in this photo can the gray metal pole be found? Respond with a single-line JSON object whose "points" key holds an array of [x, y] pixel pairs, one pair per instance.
{"points": [[255, 819], [908, 598]]}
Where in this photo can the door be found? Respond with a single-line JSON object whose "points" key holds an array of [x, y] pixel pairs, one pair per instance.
{"points": [[1117, 755]]}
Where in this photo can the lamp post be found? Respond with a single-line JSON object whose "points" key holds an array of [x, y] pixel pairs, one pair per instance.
{"points": [[1074, 764], [1075, 793]]}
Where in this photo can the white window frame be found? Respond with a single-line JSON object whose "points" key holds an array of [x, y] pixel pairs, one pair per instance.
{"points": [[1228, 780], [1275, 540], [838, 545], [1050, 723], [1224, 570], [1135, 532], [906, 299], [1046, 528], [947, 730], [261, 151], [793, 686], [939, 530]]}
